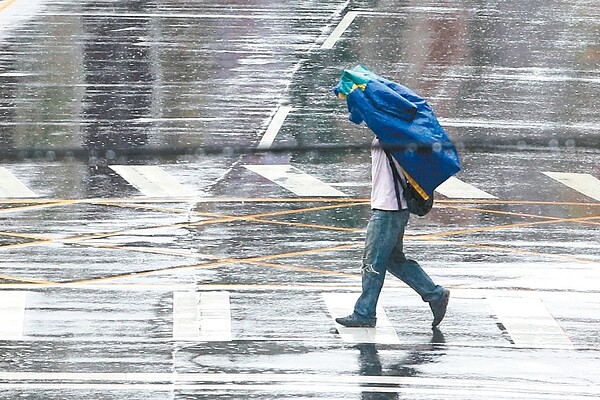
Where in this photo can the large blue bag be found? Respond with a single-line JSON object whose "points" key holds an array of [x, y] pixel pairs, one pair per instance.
{"points": [[404, 123]]}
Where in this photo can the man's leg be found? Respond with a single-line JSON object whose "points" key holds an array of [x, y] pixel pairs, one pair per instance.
{"points": [[382, 232], [411, 273]]}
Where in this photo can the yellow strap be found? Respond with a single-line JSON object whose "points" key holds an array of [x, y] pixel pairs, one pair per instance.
{"points": [[414, 184]]}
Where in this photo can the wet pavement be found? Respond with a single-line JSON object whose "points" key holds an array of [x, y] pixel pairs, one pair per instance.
{"points": [[137, 263]]}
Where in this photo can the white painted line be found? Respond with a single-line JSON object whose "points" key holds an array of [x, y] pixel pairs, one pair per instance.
{"points": [[201, 317], [12, 314], [583, 183], [215, 317], [454, 188], [342, 304], [152, 181], [274, 126], [186, 318], [259, 16], [339, 30], [296, 181], [529, 323], [11, 187], [305, 383]]}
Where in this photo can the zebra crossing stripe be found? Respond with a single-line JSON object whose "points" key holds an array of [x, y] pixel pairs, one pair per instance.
{"points": [[201, 317], [152, 181], [454, 188], [11, 187], [529, 323], [341, 304], [12, 314], [583, 183], [294, 180]]}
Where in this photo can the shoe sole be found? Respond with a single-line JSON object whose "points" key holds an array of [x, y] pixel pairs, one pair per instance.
{"points": [[369, 325]]}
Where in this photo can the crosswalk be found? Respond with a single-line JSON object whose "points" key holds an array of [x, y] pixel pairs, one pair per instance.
{"points": [[208, 316], [156, 182], [11, 187]]}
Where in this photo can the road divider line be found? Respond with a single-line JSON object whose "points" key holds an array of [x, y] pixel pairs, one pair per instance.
{"points": [[583, 183], [342, 304], [152, 181], [11, 187], [529, 323], [454, 188], [12, 314], [274, 127], [339, 30], [201, 317], [294, 180]]}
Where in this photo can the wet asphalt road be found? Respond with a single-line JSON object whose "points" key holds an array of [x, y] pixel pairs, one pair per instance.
{"points": [[198, 276]]}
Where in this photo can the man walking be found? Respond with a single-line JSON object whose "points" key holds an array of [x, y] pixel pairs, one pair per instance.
{"points": [[384, 251]]}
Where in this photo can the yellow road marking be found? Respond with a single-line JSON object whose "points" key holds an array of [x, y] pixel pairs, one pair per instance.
{"points": [[303, 225], [500, 227], [224, 261], [25, 280], [484, 210], [6, 4], [220, 219], [511, 250], [261, 218], [37, 206], [22, 236]]}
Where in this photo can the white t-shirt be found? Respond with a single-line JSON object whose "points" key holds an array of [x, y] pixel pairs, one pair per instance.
{"points": [[383, 194]]}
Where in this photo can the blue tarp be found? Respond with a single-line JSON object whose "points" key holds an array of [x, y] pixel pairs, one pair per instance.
{"points": [[403, 122]]}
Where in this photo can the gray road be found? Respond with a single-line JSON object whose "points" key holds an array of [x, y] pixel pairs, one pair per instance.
{"points": [[217, 274]]}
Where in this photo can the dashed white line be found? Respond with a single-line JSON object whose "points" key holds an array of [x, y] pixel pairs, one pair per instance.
{"points": [[341, 304], [215, 316], [11, 187], [583, 183], [339, 30], [297, 382], [152, 181], [274, 127], [454, 188], [529, 323], [12, 314], [201, 317], [186, 319], [296, 181]]}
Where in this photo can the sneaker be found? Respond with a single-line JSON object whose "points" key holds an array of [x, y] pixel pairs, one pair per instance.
{"points": [[354, 321], [438, 307]]}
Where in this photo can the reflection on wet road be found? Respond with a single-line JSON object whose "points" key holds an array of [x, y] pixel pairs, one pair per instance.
{"points": [[193, 274]]}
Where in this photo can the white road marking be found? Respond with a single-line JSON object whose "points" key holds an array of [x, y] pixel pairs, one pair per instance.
{"points": [[339, 30], [201, 317], [215, 316], [583, 183], [12, 187], [306, 383], [342, 304], [186, 318], [454, 188], [274, 127], [529, 323], [296, 181], [152, 181], [12, 314]]}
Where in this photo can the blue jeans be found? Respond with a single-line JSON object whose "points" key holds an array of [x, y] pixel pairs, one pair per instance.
{"points": [[383, 252]]}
